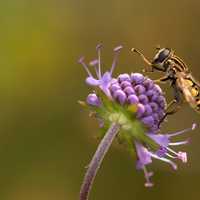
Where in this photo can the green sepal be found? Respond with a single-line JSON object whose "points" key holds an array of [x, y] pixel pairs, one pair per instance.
{"points": [[131, 128], [138, 131]]}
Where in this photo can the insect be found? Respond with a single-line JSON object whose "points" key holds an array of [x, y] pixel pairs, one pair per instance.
{"points": [[184, 85]]}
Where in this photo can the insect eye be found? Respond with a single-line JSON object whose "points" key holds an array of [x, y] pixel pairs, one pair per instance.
{"points": [[161, 56]]}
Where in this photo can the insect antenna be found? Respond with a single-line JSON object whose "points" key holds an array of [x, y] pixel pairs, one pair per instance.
{"points": [[158, 47], [142, 56]]}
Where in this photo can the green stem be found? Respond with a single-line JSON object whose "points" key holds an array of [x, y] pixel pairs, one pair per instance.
{"points": [[97, 160]]}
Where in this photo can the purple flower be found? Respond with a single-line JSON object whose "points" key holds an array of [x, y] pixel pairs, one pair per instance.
{"points": [[102, 81], [148, 98], [165, 153], [93, 100]]}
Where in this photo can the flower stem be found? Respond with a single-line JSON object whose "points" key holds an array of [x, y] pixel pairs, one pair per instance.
{"points": [[97, 160]]}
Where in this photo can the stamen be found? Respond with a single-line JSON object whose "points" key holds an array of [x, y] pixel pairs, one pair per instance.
{"points": [[169, 155], [81, 61], [183, 131], [116, 50], [171, 150], [94, 63], [147, 177], [194, 125], [174, 166], [98, 48], [178, 143], [182, 156], [158, 47]]}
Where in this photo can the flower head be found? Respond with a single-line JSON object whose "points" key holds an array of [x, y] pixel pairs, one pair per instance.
{"points": [[138, 104]]}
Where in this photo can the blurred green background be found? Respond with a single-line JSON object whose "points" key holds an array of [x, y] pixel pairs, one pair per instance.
{"points": [[46, 139]]}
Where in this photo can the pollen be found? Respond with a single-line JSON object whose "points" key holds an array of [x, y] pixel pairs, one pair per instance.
{"points": [[133, 108]]}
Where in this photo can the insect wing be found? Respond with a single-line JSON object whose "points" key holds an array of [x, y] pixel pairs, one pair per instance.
{"points": [[186, 89]]}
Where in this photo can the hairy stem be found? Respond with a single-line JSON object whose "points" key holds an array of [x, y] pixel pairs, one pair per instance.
{"points": [[97, 160]]}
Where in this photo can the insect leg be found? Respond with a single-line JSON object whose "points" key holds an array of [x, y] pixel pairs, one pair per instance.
{"points": [[173, 102], [158, 47], [162, 79], [177, 101]]}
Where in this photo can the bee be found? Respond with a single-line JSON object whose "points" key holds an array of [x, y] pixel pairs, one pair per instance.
{"points": [[184, 85]]}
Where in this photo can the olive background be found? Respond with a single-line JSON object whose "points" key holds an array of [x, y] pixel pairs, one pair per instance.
{"points": [[46, 138]]}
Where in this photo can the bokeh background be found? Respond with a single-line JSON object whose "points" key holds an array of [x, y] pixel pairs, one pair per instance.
{"points": [[46, 139]]}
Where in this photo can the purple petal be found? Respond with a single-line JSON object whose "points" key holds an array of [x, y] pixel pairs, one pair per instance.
{"points": [[106, 78], [92, 81], [143, 155], [105, 83], [162, 140]]}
